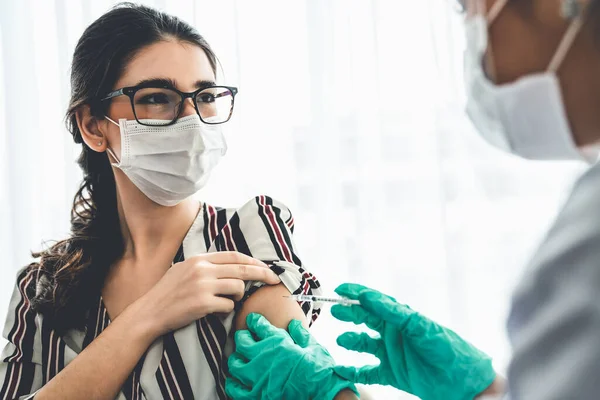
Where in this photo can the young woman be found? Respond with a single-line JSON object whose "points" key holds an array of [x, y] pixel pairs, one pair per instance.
{"points": [[141, 301]]}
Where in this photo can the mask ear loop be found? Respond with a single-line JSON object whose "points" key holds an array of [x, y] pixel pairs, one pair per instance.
{"points": [[113, 155], [495, 10], [490, 17], [110, 119], [567, 41], [108, 149]]}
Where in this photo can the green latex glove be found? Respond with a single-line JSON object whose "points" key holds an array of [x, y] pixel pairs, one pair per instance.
{"points": [[274, 364], [416, 355]]}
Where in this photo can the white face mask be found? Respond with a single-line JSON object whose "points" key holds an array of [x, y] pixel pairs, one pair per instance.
{"points": [[526, 117], [169, 163]]}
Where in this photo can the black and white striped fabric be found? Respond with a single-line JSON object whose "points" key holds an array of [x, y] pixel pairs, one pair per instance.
{"points": [[190, 363]]}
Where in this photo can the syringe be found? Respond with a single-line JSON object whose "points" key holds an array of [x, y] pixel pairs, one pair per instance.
{"points": [[337, 300]]}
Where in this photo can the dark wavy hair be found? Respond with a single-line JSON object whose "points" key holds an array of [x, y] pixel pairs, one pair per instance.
{"points": [[71, 273]]}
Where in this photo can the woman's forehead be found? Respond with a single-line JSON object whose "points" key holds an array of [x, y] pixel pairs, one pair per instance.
{"points": [[182, 62]]}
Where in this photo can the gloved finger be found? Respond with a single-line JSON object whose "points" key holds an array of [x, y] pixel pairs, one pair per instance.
{"points": [[300, 335], [354, 290], [346, 372], [246, 345], [261, 327], [360, 342], [384, 307], [235, 390], [353, 313], [369, 375], [240, 369], [357, 315], [351, 290]]}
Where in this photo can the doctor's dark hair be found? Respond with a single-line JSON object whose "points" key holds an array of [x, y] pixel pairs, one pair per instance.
{"points": [[70, 274]]}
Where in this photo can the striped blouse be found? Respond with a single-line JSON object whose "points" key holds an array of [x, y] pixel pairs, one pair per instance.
{"points": [[190, 363]]}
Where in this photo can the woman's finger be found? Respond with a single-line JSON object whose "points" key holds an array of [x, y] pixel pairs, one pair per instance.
{"points": [[221, 305], [230, 287], [247, 272], [233, 257]]}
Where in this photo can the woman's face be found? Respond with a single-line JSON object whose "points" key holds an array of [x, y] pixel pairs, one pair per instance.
{"points": [[184, 64]]}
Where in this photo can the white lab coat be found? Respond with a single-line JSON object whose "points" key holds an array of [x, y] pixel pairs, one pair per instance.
{"points": [[554, 323]]}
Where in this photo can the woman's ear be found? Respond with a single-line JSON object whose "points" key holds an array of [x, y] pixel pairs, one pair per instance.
{"points": [[90, 129]]}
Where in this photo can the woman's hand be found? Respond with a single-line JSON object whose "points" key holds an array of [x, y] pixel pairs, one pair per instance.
{"points": [[199, 286]]}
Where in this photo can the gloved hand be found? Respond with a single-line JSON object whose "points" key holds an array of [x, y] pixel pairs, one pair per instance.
{"points": [[274, 364], [417, 355]]}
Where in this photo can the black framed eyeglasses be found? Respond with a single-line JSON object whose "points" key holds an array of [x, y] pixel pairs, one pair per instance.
{"points": [[161, 105]]}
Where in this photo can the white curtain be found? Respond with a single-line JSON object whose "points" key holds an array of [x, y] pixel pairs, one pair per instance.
{"points": [[350, 112]]}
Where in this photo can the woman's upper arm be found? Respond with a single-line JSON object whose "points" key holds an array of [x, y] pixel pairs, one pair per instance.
{"points": [[267, 227], [271, 303]]}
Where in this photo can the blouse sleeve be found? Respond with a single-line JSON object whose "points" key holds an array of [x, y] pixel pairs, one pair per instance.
{"points": [[263, 229], [20, 363]]}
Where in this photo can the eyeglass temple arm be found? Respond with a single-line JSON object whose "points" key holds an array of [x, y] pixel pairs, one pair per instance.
{"points": [[233, 91], [113, 94]]}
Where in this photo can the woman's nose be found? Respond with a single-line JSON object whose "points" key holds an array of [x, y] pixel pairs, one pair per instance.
{"points": [[188, 108]]}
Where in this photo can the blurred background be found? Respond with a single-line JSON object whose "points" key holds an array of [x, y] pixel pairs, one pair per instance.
{"points": [[350, 112]]}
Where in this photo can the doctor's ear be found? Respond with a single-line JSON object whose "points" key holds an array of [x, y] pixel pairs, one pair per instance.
{"points": [[90, 129]]}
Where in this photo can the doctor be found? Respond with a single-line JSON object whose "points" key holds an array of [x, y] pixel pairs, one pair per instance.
{"points": [[533, 83]]}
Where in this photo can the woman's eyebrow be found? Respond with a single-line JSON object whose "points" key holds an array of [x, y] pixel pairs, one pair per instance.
{"points": [[157, 82], [168, 82], [204, 84]]}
